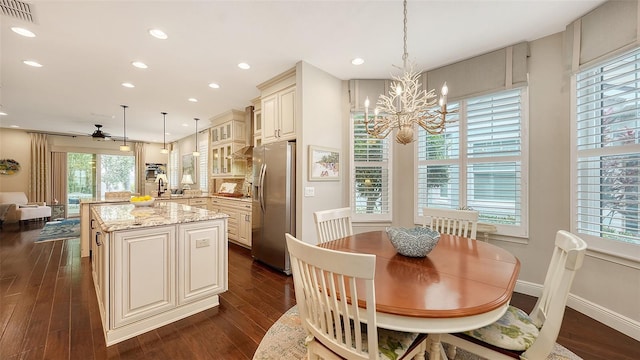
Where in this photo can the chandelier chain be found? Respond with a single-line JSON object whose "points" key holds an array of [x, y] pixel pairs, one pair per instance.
{"points": [[405, 55]]}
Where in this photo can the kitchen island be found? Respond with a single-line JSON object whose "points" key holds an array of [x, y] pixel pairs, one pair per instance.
{"points": [[154, 265]]}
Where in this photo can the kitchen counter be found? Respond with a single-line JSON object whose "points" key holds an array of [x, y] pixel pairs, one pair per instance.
{"points": [[127, 216], [155, 265]]}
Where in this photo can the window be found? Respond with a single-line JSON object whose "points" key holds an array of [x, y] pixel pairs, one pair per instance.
{"points": [[607, 153], [370, 174], [479, 162], [203, 162], [174, 168], [91, 175]]}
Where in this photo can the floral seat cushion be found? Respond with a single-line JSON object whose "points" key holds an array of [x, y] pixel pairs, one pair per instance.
{"points": [[513, 331], [392, 344]]}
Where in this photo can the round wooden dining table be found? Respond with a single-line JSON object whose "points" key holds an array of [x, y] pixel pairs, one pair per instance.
{"points": [[462, 284]]}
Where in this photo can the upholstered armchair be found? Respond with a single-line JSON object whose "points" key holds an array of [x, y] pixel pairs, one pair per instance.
{"points": [[17, 207]]}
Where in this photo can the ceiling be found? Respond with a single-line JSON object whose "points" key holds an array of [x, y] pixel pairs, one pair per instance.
{"points": [[87, 47]]}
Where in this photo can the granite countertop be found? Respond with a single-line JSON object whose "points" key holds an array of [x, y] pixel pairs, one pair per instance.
{"points": [[114, 217]]}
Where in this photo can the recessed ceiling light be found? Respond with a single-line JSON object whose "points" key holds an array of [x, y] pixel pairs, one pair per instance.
{"points": [[159, 34], [128, 85], [193, 99], [139, 64], [357, 61], [14, 126], [244, 66], [214, 86], [32, 63], [185, 125], [167, 133], [23, 31], [2, 113]]}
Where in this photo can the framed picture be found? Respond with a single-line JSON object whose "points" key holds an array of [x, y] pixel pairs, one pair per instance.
{"points": [[187, 166], [324, 164]]}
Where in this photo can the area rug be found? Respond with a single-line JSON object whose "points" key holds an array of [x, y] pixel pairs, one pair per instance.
{"points": [[60, 230], [285, 340]]}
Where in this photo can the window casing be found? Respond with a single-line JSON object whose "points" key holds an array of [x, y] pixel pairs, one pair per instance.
{"points": [[371, 173], [606, 155], [479, 162]]}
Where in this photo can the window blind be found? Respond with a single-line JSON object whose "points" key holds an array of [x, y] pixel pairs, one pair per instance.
{"points": [[203, 163], [608, 149], [478, 162], [371, 189], [173, 169]]}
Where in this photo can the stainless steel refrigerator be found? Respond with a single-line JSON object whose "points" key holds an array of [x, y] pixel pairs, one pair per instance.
{"points": [[274, 200]]}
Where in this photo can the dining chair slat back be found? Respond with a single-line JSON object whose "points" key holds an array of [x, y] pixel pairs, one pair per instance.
{"points": [[452, 222], [568, 256], [334, 289], [333, 224]]}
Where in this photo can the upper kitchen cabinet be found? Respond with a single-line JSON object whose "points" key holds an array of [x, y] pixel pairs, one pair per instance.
{"points": [[257, 122], [228, 126], [278, 108], [228, 135]]}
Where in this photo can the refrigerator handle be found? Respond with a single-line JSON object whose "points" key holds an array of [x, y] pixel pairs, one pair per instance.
{"points": [[262, 175]]}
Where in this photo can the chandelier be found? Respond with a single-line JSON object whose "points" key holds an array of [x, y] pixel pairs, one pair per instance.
{"points": [[407, 104]]}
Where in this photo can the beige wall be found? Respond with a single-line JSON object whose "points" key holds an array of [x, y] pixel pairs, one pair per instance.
{"points": [[320, 123], [14, 144]]}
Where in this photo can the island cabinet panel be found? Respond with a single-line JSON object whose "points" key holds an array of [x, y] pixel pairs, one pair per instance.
{"points": [[144, 272], [199, 276]]}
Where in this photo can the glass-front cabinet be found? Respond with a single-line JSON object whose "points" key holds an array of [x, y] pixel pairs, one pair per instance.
{"points": [[227, 137]]}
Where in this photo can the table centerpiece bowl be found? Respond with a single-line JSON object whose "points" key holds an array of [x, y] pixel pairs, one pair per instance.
{"points": [[413, 242]]}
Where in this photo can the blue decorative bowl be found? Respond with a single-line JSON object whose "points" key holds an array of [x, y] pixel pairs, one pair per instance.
{"points": [[415, 242]]}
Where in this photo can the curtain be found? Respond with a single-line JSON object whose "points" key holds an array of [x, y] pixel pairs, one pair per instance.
{"points": [[38, 182], [138, 150], [58, 177]]}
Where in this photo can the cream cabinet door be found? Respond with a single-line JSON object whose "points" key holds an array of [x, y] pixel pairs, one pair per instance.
{"points": [[144, 273], [287, 114], [270, 125], [202, 250], [244, 228]]}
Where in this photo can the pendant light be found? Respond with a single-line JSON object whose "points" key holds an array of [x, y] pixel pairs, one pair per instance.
{"points": [[124, 146], [164, 149], [195, 152]]}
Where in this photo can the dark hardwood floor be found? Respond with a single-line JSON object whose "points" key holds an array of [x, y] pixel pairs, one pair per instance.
{"points": [[48, 310]]}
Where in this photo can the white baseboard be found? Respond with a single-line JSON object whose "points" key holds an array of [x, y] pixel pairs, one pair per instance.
{"points": [[610, 318]]}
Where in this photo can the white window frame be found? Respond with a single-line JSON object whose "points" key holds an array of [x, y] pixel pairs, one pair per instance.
{"points": [[385, 217], [520, 231], [618, 249]]}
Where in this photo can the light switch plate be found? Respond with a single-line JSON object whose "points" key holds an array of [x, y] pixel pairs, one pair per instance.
{"points": [[309, 191]]}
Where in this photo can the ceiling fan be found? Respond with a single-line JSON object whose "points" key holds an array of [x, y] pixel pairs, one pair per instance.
{"points": [[99, 135]]}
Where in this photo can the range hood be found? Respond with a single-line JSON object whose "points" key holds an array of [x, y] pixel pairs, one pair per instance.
{"points": [[243, 153], [246, 152]]}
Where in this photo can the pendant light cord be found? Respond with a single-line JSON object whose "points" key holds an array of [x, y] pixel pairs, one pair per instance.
{"points": [[164, 130], [124, 121]]}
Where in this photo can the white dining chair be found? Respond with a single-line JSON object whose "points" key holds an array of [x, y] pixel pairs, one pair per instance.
{"points": [[450, 221], [333, 224], [531, 336], [328, 301]]}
